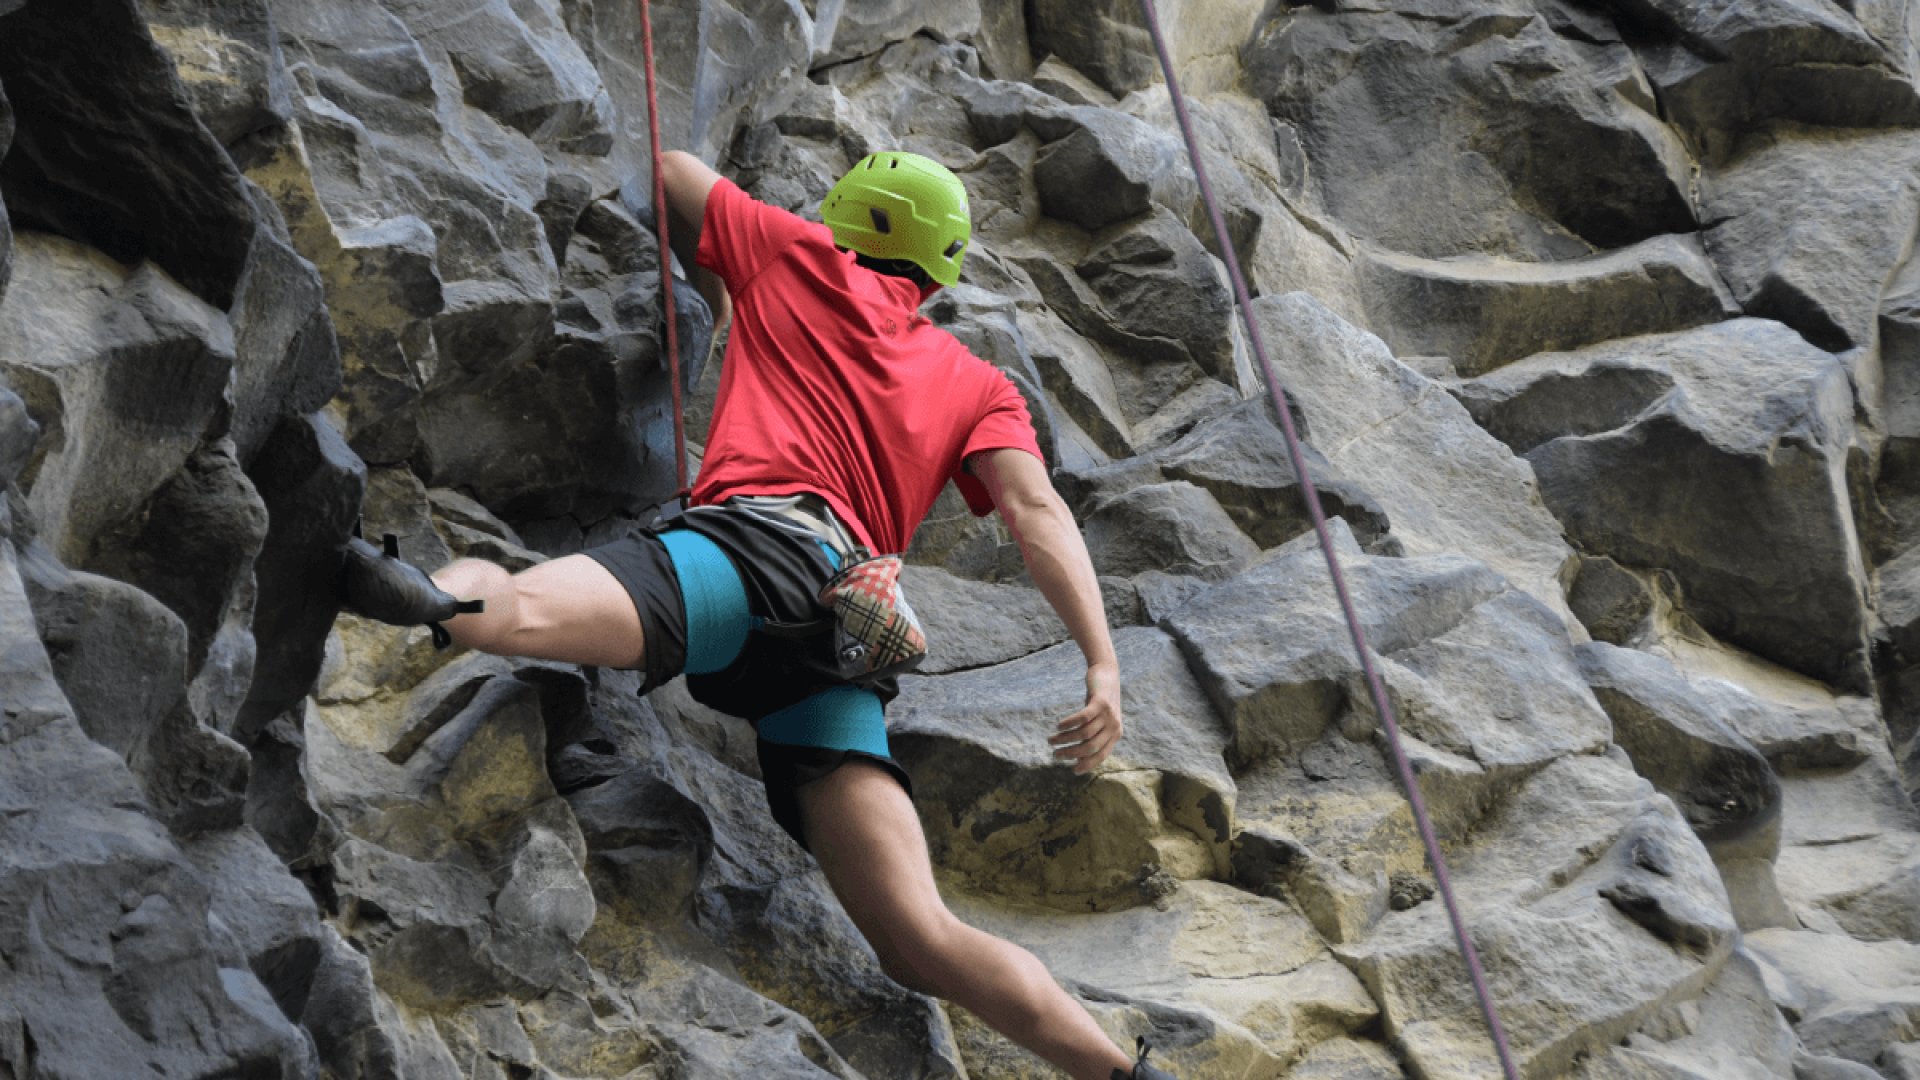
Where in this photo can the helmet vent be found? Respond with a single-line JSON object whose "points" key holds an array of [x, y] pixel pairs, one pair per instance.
{"points": [[953, 249], [880, 220]]}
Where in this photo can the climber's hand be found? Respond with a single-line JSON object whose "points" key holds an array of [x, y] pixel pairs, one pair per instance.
{"points": [[1088, 736]]}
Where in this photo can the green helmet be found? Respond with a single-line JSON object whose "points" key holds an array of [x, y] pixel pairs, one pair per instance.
{"points": [[902, 206]]}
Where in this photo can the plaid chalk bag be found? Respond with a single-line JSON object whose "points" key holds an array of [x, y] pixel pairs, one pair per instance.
{"points": [[878, 633]]}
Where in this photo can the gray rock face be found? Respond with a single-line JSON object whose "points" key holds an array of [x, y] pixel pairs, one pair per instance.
{"points": [[129, 369], [1723, 786], [1802, 229], [1743, 417], [113, 152], [1633, 894], [1378, 420], [269, 269], [976, 744], [1723, 69], [1568, 159], [1484, 313]]}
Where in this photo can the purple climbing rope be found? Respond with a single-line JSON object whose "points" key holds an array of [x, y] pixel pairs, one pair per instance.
{"points": [[1374, 685]]}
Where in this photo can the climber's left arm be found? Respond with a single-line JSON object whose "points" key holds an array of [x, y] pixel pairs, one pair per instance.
{"points": [[689, 181]]}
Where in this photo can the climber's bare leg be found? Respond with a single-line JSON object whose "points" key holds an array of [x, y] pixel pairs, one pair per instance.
{"points": [[863, 830], [571, 610]]}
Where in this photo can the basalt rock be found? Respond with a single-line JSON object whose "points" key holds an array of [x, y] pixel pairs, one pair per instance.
{"points": [[1742, 421]]}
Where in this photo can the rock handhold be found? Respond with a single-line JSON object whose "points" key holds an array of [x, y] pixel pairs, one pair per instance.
{"points": [[1002, 812], [1174, 527], [1809, 228], [1734, 480], [1379, 423], [126, 373], [1241, 457], [1483, 313], [1569, 158], [1101, 167], [1690, 749], [1543, 886]]}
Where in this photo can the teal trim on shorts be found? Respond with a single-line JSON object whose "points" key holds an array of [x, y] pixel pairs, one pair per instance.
{"points": [[840, 718], [715, 599]]}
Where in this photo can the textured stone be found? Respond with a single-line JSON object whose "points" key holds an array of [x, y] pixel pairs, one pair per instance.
{"points": [[311, 484], [1809, 229], [1486, 313], [227, 56], [1569, 158], [1158, 809], [1583, 869], [1720, 456], [1723, 786], [1174, 527], [110, 152], [1379, 422], [1241, 457], [1723, 69], [130, 371], [1851, 998]]}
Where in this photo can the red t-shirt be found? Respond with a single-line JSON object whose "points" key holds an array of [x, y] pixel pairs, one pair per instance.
{"points": [[835, 384]]}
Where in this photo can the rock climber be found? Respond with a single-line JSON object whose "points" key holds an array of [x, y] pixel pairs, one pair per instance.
{"points": [[841, 414]]}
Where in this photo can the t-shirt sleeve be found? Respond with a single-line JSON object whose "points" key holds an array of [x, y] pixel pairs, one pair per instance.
{"points": [[740, 234], [1004, 424]]}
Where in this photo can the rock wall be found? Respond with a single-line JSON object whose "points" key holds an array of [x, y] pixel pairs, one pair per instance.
{"points": [[1601, 319]]}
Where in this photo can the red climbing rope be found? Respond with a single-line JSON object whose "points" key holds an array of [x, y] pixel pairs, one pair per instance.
{"points": [[1374, 685], [666, 261]]}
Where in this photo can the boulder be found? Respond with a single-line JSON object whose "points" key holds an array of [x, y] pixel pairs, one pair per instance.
{"points": [[110, 152], [1723, 69], [1568, 159], [1483, 313], [1173, 527], [311, 484], [1733, 1030], [1809, 228], [1719, 455], [1379, 422], [1100, 167], [1240, 456], [1849, 999], [1273, 654], [1223, 983], [1692, 752], [127, 375], [127, 970], [1611, 601], [1000, 812], [227, 56], [1593, 907]]}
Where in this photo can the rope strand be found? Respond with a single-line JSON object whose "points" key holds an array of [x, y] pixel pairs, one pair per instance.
{"points": [[1375, 687], [666, 261]]}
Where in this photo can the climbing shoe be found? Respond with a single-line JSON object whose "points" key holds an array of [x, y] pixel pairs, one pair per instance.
{"points": [[1141, 1070], [377, 585]]}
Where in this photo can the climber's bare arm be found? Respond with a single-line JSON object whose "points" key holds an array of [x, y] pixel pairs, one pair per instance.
{"points": [[688, 181], [1057, 558]]}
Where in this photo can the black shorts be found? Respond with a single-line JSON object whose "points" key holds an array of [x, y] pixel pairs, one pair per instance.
{"points": [[730, 569]]}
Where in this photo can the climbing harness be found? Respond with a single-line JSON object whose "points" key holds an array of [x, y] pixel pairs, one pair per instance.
{"points": [[681, 491], [1374, 685]]}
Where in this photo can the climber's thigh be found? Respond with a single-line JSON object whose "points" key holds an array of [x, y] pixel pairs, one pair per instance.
{"points": [[861, 826], [575, 610]]}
